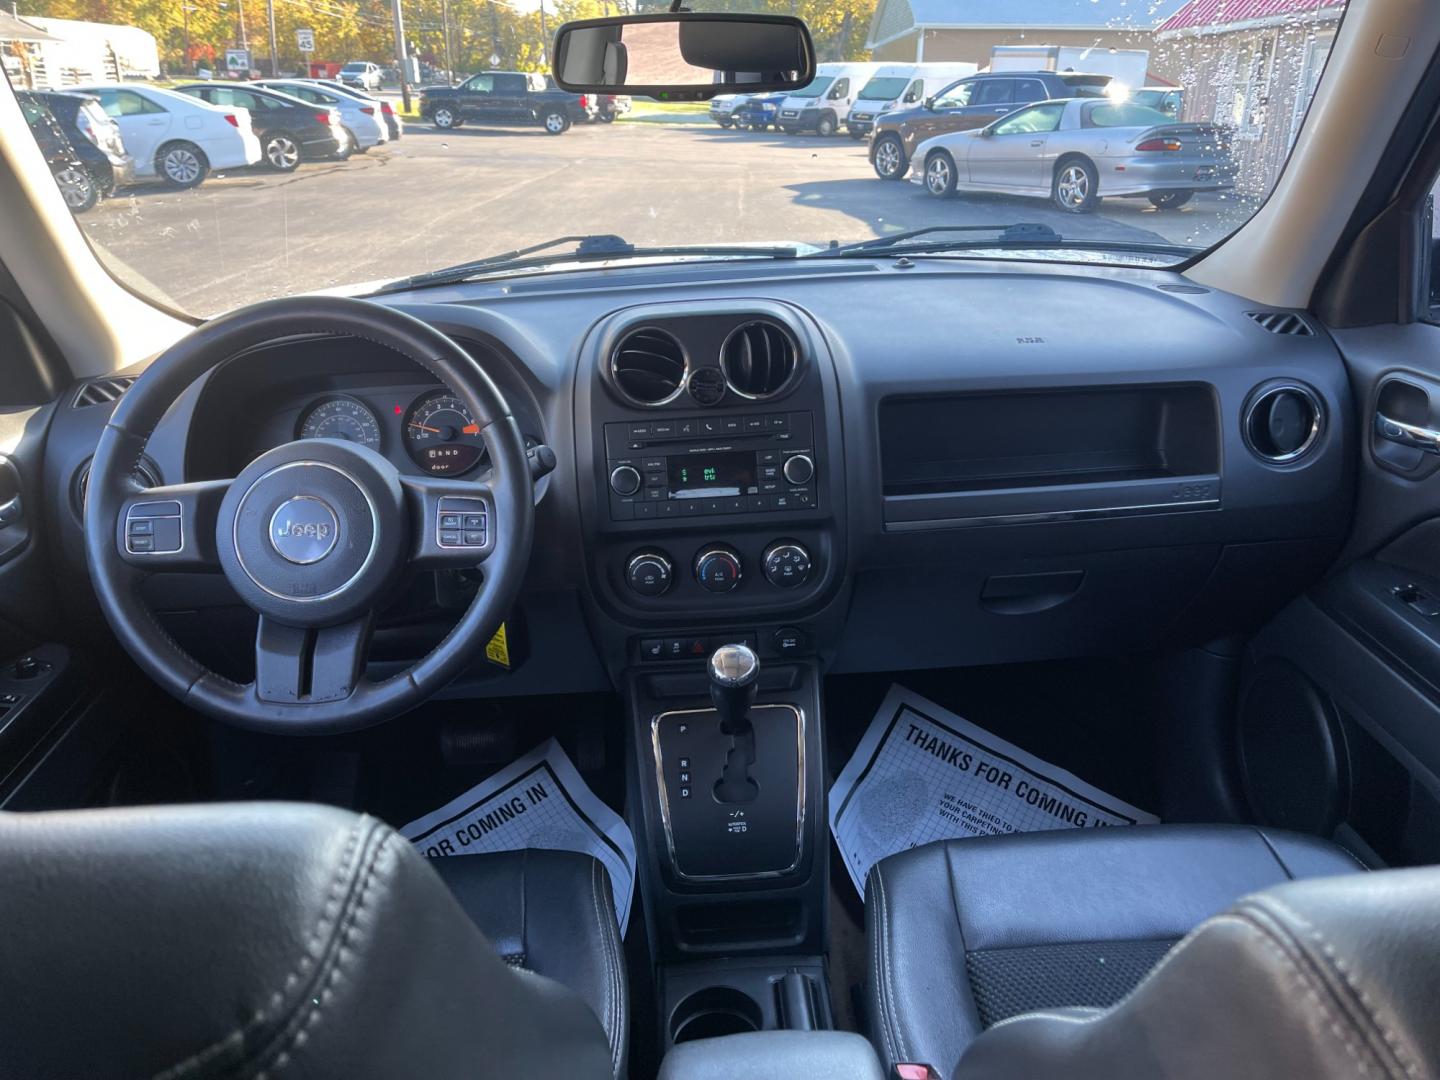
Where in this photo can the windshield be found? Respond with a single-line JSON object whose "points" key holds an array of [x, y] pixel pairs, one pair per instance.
{"points": [[885, 88], [215, 198]]}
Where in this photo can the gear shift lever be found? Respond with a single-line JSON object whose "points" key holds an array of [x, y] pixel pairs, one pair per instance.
{"points": [[734, 679]]}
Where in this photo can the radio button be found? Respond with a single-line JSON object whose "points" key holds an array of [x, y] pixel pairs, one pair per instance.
{"points": [[754, 423], [625, 480]]}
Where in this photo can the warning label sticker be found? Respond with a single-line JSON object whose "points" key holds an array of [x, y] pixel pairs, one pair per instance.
{"points": [[537, 801], [921, 773]]}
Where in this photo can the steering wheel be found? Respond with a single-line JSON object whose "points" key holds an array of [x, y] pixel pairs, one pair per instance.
{"points": [[312, 535]]}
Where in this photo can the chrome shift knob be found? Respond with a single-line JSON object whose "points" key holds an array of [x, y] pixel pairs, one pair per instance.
{"points": [[734, 679]]}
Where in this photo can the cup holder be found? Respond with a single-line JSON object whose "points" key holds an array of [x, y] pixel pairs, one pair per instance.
{"points": [[715, 1011]]}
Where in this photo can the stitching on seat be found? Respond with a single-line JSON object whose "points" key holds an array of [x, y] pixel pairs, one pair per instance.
{"points": [[1362, 1000], [893, 998], [612, 997], [318, 999], [329, 912], [877, 959]]}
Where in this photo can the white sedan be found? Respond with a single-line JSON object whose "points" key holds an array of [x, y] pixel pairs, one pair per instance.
{"points": [[1078, 151], [174, 137], [361, 118]]}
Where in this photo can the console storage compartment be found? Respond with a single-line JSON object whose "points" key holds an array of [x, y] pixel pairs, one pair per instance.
{"points": [[815, 1055], [992, 458]]}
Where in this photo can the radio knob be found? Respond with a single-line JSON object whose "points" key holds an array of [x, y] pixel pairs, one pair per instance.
{"points": [[717, 568], [649, 573], [786, 564], [625, 480], [799, 469]]}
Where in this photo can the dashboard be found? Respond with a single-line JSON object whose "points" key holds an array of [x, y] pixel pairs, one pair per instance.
{"points": [[881, 464]]}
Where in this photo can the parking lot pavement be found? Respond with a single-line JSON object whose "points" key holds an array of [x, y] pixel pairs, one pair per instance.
{"points": [[436, 198]]}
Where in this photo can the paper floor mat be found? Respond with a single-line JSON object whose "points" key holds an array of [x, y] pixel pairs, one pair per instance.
{"points": [[537, 801], [922, 773]]}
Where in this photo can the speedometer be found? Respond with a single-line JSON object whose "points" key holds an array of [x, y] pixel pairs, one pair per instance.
{"points": [[441, 436], [341, 418]]}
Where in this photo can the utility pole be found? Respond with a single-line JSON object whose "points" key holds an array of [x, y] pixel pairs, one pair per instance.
{"points": [[185, 18], [274, 53], [445, 27], [244, 40], [544, 37], [401, 58]]}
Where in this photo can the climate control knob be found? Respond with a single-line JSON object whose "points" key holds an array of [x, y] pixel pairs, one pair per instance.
{"points": [[625, 480], [649, 573], [786, 564], [798, 469], [717, 568]]}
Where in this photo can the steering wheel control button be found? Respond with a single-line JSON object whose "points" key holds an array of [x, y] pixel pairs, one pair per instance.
{"points": [[304, 529], [625, 480], [786, 564], [717, 569], [154, 528], [462, 522], [649, 573], [799, 469]]}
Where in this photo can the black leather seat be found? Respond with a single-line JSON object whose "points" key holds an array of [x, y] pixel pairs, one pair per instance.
{"points": [[276, 940], [965, 934], [550, 912]]}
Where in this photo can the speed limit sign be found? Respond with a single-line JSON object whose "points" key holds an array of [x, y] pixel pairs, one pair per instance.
{"points": [[305, 39]]}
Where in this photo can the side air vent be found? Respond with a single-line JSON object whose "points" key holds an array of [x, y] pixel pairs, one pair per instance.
{"points": [[1283, 422], [100, 391], [759, 360], [1285, 323], [649, 367], [145, 475]]}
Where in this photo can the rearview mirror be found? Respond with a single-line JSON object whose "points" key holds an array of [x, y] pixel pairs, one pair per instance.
{"points": [[683, 56]]}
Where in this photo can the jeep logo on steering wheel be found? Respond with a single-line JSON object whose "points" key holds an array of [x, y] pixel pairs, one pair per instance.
{"points": [[303, 530]]}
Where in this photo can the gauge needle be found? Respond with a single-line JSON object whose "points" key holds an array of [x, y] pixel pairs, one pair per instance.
{"points": [[425, 427]]}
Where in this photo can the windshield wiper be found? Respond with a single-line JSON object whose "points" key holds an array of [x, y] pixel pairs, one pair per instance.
{"points": [[587, 248], [1019, 236]]}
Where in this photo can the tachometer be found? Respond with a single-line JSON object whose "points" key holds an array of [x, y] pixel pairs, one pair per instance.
{"points": [[441, 435], [341, 418]]}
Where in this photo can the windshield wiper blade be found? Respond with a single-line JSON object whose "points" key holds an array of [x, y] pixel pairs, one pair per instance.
{"points": [[590, 248], [1027, 232]]}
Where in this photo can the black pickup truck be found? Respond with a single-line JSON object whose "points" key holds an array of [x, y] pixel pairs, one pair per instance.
{"points": [[505, 97]]}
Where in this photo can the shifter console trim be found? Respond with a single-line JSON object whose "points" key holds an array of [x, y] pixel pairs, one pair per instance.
{"points": [[800, 801]]}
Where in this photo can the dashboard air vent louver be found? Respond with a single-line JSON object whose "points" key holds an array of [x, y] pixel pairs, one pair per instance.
{"points": [[100, 391], [759, 360], [649, 366], [1283, 422], [1285, 323]]}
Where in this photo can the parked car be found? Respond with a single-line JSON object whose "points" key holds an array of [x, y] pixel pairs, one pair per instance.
{"points": [[94, 137], [759, 111], [1169, 100], [175, 137], [76, 185], [722, 106], [896, 86], [1078, 151], [609, 106], [361, 74], [360, 118], [290, 130], [968, 103], [505, 97], [824, 105], [393, 124]]}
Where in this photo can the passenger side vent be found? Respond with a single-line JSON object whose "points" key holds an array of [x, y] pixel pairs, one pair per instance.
{"points": [[1283, 422], [1286, 323], [759, 360], [649, 367], [100, 391]]}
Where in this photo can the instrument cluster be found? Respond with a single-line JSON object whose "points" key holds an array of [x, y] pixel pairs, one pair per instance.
{"points": [[436, 429]]}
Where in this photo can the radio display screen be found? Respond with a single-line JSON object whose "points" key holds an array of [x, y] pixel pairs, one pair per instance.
{"points": [[694, 476]]}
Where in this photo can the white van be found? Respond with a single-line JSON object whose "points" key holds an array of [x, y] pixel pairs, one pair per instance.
{"points": [[899, 86], [825, 104]]}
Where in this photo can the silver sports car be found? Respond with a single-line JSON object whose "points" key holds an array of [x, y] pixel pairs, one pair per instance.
{"points": [[1077, 151]]}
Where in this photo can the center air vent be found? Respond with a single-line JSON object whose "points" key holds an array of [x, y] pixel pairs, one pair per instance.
{"points": [[649, 367], [1283, 423], [759, 360]]}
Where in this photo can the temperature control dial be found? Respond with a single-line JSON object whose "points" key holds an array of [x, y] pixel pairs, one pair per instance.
{"points": [[649, 573], [717, 568], [786, 564]]}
